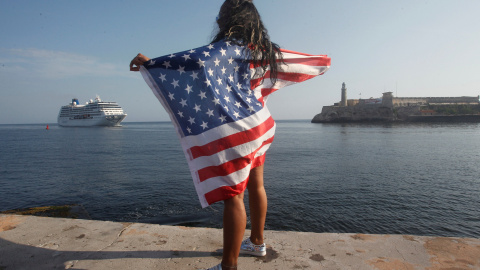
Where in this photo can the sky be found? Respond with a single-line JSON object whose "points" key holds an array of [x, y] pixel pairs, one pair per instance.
{"points": [[52, 51]]}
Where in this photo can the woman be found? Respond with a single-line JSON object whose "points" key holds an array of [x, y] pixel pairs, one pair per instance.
{"points": [[240, 64]]}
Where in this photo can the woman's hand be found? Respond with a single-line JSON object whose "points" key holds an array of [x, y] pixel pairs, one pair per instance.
{"points": [[138, 61]]}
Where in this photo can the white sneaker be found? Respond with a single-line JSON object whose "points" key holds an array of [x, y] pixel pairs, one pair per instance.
{"points": [[251, 249], [216, 267]]}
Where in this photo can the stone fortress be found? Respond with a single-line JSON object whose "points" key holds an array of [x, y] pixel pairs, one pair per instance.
{"points": [[401, 109]]}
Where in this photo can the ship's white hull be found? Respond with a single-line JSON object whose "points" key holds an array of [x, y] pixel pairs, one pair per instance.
{"points": [[108, 120], [93, 113]]}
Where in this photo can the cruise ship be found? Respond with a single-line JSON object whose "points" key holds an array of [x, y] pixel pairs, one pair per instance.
{"points": [[93, 113]]}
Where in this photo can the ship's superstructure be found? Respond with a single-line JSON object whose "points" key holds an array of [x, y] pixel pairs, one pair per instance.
{"points": [[93, 113]]}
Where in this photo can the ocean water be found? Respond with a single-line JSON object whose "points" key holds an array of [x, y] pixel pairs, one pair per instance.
{"points": [[420, 179]]}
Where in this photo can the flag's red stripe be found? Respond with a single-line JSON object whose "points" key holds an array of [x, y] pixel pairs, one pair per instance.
{"points": [[268, 91], [225, 192], [258, 161], [314, 62], [230, 166], [260, 99], [232, 140], [293, 77], [319, 62], [223, 169]]}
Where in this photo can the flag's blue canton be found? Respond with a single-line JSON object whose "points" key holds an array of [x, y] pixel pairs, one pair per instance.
{"points": [[206, 87]]}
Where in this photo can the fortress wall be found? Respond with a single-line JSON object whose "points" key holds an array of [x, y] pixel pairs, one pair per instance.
{"points": [[413, 101], [453, 100], [352, 102], [409, 101]]}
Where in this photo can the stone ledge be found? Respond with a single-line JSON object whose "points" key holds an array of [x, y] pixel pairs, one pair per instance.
{"points": [[31, 242]]}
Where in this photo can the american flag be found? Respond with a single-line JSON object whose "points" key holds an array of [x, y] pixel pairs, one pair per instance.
{"points": [[218, 107]]}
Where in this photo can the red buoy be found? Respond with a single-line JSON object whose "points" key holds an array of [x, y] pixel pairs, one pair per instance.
{"points": [[47, 127]]}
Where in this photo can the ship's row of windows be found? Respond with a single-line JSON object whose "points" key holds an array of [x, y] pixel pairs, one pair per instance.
{"points": [[66, 114], [93, 107], [108, 110]]}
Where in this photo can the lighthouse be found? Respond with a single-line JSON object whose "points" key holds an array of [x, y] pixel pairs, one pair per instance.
{"points": [[343, 102]]}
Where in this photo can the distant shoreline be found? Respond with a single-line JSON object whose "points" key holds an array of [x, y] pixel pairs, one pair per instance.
{"points": [[468, 118]]}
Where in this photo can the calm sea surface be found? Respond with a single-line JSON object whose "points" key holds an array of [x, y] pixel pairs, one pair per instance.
{"points": [[420, 179]]}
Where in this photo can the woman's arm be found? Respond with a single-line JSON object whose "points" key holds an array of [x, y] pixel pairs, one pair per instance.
{"points": [[138, 61]]}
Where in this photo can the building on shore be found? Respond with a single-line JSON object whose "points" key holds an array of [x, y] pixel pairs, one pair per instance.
{"points": [[407, 109]]}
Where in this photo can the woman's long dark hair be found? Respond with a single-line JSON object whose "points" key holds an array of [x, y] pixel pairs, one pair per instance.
{"points": [[240, 22]]}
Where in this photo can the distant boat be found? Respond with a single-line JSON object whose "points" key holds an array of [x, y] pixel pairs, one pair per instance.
{"points": [[93, 113]]}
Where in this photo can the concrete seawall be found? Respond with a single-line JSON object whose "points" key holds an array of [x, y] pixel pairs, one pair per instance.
{"points": [[29, 242]]}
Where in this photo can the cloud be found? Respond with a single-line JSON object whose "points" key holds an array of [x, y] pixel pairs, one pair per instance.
{"points": [[57, 64]]}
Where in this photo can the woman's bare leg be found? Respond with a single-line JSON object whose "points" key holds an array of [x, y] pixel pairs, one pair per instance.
{"points": [[234, 223], [235, 217], [258, 204]]}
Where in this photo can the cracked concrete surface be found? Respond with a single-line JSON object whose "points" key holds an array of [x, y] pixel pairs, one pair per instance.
{"points": [[28, 242]]}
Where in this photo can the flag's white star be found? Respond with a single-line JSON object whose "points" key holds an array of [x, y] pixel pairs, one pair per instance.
{"points": [[166, 64], [210, 113], [236, 68], [224, 70], [210, 72], [250, 92], [219, 81], [237, 51], [216, 101], [217, 62], [191, 120], [251, 109], [197, 108], [171, 55], [202, 95], [152, 62], [208, 82], [189, 130], [226, 108], [224, 52], [249, 100], [239, 86], [245, 75], [175, 83], [206, 54], [230, 61], [189, 89], [204, 125], [183, 103], [230, 78], [228, 43], [222, 118], [186, 57], [211, 46], [227, 98], [236, 114], [238, 104], [180, 114], [181, 69], [229, 88], [170, 95], [217, 91], [191, 51], [194, 75], [201, 63], [163, 77]]}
